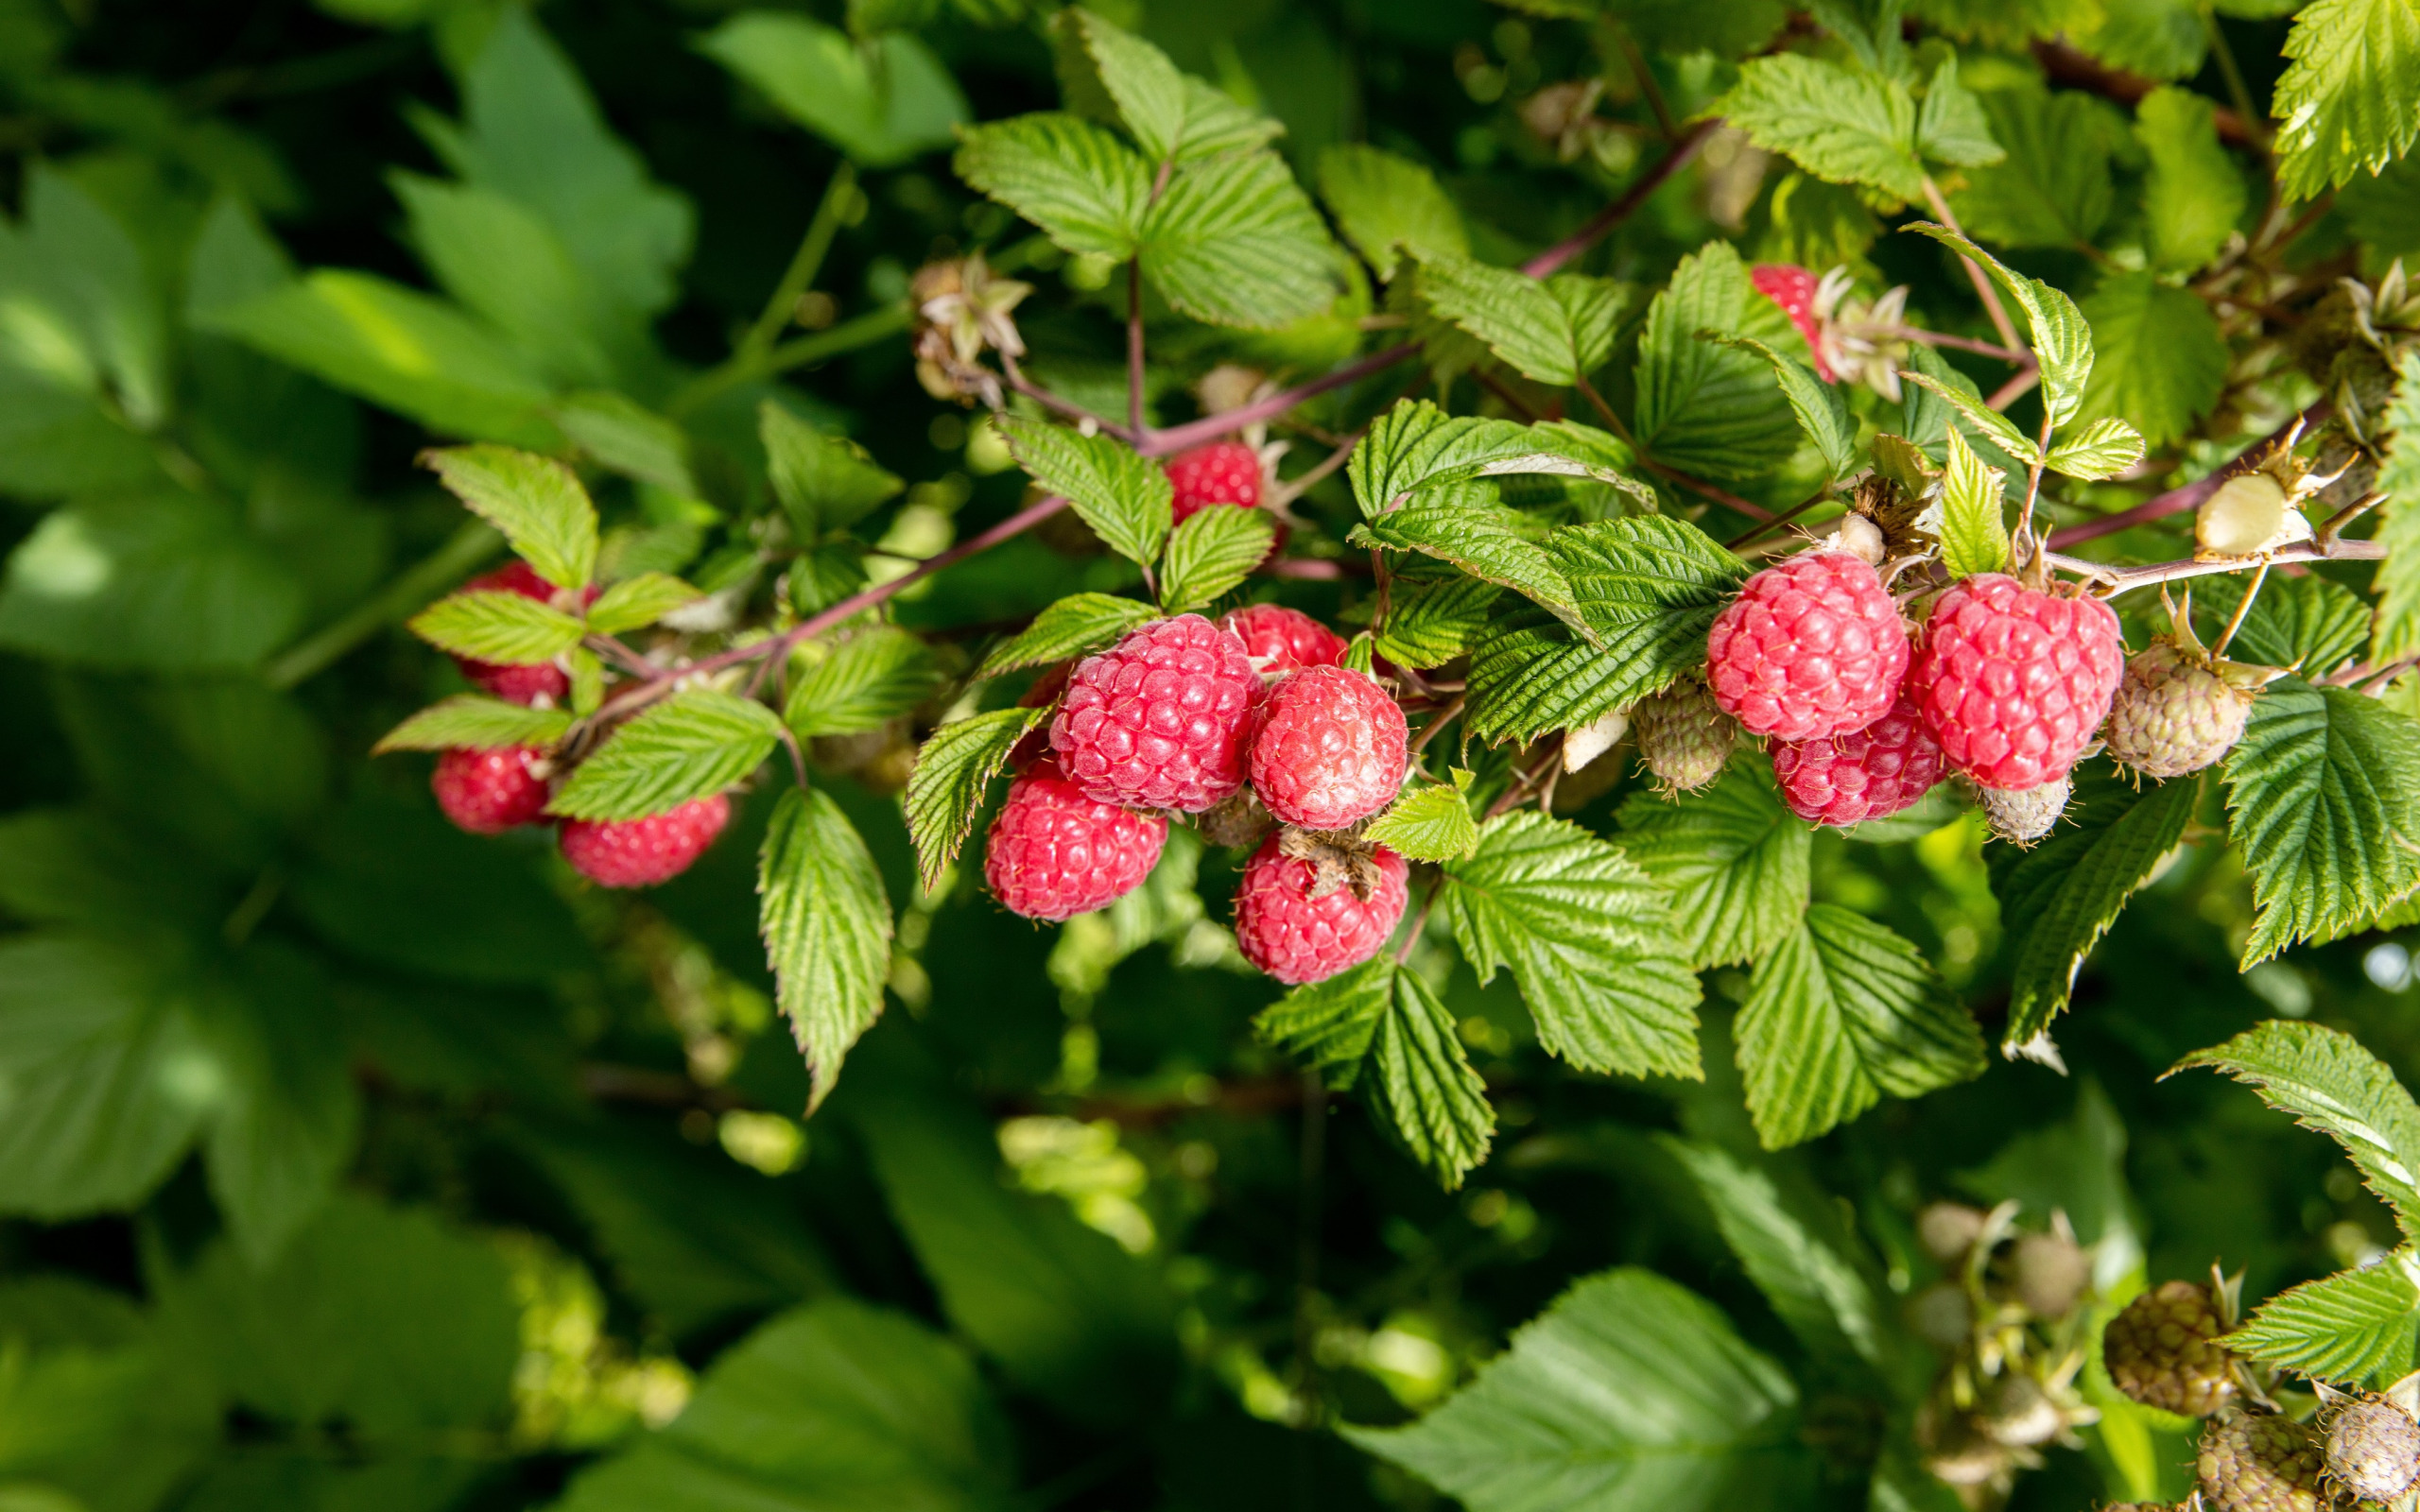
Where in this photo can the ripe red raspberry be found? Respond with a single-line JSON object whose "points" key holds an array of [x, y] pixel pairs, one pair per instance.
{"points": [[1054, 854], [1812, 646], [1866, 774], [487, 792], [1162, 719], [642, 852], [1331, 749], [544, 683], [2012, 682], [1286, 925], [1793, 288], [1284, 640], [1214, 473]]}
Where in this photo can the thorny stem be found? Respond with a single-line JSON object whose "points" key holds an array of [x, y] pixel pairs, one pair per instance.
{"points": [[2178, 500], [1518, 792], [1288, 489], [798, 757], [1023, 385], [2022, 539], [1134, 346], [857, 331], [1982, 280], [1430, 730], [2242, 608], [1210, 428], [1647, 84], [613, 651], [1782, 519], [2237, 89], [2011, 391], [782, 308], [2116, 580], [1620, 210], [1943, 338]]}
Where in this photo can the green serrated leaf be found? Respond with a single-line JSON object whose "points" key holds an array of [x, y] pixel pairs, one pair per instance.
{"points": [[1587, 935], [1212, 552], [1173, 117], [2163, 360], [1841, 1012], [1075, 625], [2308, 622], [882, 100], [1388, 205], [1951, 124], [1463, 525], [2058, 899], [1929, 408], [1087, 189], [1416, 445], [859, 685], [473, 721], [2329, 1082], [1707, 409], [2052, 189], [1841, 126], [636, 602], [1431, 621], [535, 501], [2324, 796], [2356, 1329], [826, 926], [1124, 497], [1994, 425], [1735, 862], [2194, 194], [2346, 102], [1426, 824], [629, 438], [1800, 1262], [2102, 449], [946, 789], [1974, 530], [824, 482], [1329, 1025], [2397, 632], [692, 745], [2062, 340], [1235, 241], [1555, 331], [1630, 1391], [1822, 412], [505, 629]]}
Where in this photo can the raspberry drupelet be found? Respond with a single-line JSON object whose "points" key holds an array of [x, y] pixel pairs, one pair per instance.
{"points": [[1161, 720]]}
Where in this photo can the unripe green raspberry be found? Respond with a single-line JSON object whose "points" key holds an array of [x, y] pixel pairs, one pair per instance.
{"points": [[2372, 1449], [1683, 736], [2174, 714], [2029, 813], [2262, 1463], [2162, 1350]]}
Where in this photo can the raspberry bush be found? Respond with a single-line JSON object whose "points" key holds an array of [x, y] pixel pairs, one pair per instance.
{"points": [[987, 755]]}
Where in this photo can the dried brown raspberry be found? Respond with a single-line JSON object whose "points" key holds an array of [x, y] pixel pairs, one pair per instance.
{"points": [[2162, 1350]]}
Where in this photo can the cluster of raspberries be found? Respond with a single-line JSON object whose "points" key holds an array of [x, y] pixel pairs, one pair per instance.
{"points": [[2005, 683], [1184, 717], [487, 792]]}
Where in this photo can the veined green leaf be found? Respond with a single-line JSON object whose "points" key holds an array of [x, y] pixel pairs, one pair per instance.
{"points": [[1124, 497], [2346, 101], [1821, 412], [1173, 117], [1796, 1261], [1990, 421], [1212, 552], [2062, 340], [1631, 1391], [1329, 1025], [497, 626], [881, 99], [636, 602], [1837, 124], [1555, 331], [2329, 1082], [2397, 632], [1388, 205], [2052, 188], [824, 482], [1974, 532], [1432, 620], [1939, 396], [2058, 899], [1077, 182], [1416, 445], [826, 924], [1735, 860], [627, 439], [2324, 796], [1428, 824], [535, 501], [2356, 1328], [1589, 939], [859, 685], [474, 721], [1077, 624], [2163, 362], [1951, 124], [2306, 622], [692, 745], [2102, 449], [2194, 195], [1839, 1012], [1235, 241], [945, 790], [1708, 409], [1463, 525]]}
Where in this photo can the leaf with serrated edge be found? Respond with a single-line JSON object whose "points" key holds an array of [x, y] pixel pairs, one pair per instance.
{"points": [[1124, 497], [1426, 824], [946, 789], [1974, 532], [693, 743], [2397, 632], [2102, 449], [826, 925], [2324, 798], [1515, 314], [1329, 1025], [1990, 421], [861, 683], [1704, 408], [1431, 622], [1087, 189], [1589, 939], [1734, 860], [2329, 1082], [1387, 205], [1814, 1288], [2062, 340], [2306, 622], [2194, 194], [2354, 1328], [1823, 414], [1074, 625], [1839, 1012], [505, 629], [1463, 525], [1213, 552], [824, 482], [1418, 1075], [536, 501], [2346, 101], [1172, 117], [2163, 359], [636, 602], [470, 721], [2058, 899], [1235, 241], [1415, 446], [1841, 126]]}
